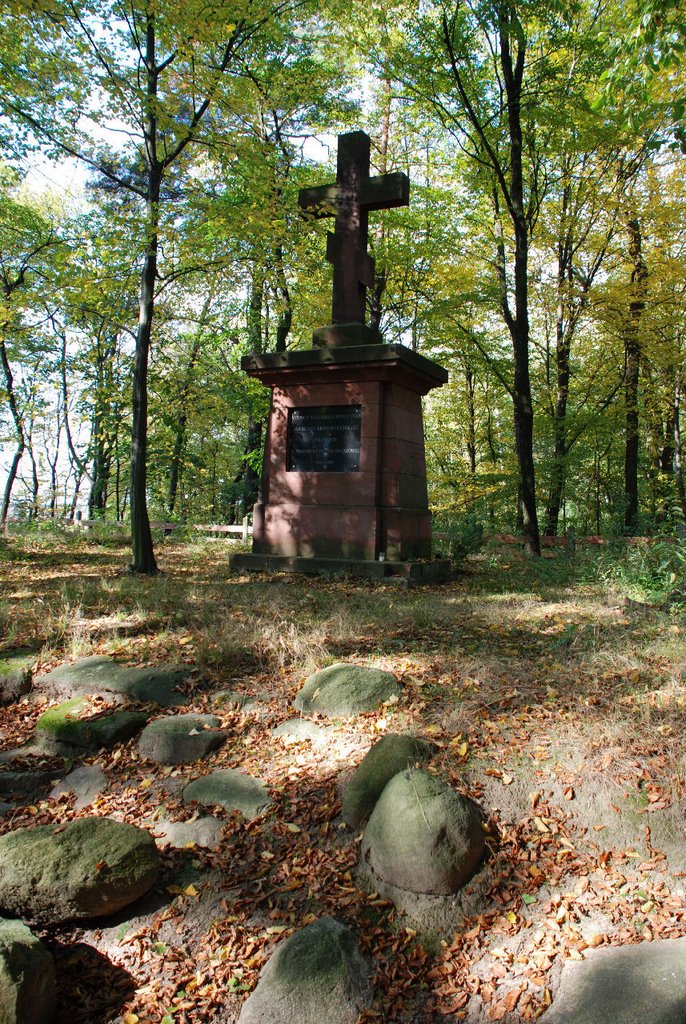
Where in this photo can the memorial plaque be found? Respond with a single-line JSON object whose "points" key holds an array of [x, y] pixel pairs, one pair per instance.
{"points": [[324, 439]]}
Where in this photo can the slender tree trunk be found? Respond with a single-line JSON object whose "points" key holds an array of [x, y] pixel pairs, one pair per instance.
{"points": [[518, 325], [18, 426], [632, 362], [182, 417], [284, 303], [562, 352], [254, 317], [678, 451], [9, 484], [143, 557], [380, 276], [470, 381]]}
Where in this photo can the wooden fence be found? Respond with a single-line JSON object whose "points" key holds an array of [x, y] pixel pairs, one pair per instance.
{"points": [[241, 530]]}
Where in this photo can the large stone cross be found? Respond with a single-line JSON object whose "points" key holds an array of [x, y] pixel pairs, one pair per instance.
{"points": [[349, 200]]}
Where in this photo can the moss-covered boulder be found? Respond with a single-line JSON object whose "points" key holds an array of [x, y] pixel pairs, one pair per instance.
{"points": [[180, 739], [15, 676], [318, 974], [158, 684], [88, 868], [422, 836], [389, 755], [341, 691], [79, 725], [27, 977]]}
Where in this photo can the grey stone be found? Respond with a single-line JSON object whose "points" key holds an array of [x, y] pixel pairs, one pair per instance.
{"points": [[300, 730], [101, 674], [242, 701], [642, 984], [205, 831], [389, 755], [230, 789], [87, 782], [24, 786], [318, 974], [422, 835], [88, 868], [73, 726], [343, 690], [27, 977], [15, 676], [180, 739]]}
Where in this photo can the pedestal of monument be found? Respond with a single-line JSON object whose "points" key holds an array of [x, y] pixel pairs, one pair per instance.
{"points": [[344, 479]]}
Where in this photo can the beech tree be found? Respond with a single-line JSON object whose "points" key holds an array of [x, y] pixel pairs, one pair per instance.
{"points": [[147, 75]]}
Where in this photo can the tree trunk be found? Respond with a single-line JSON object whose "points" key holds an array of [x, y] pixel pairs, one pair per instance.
{"points": [[143, 557], [182, 418], [100, 473], [513, 74], [380, 275], [562, 351], [632, 362], [18, 426], [470, 381], [678, 454]]}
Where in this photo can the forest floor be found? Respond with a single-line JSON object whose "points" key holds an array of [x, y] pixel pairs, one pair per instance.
{"points": [[557, 706]]}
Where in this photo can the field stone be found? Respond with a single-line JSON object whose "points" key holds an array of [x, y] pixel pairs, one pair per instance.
{"points": [[69, 726], [102, 674], [88, 868], [25, 786], [27, 977], [623, 985], [205, 831], [230, 789], [391, 754], [300, 730], [344, 690], [422, 835], [15, 676], [242, 701], [87, 782], [317, 974], [180, 739]]}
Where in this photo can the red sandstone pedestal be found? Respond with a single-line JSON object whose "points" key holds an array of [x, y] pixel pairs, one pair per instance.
{"points": [[344, 476]]}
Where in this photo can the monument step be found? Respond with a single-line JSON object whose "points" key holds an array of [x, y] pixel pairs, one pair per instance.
{"points": [[435, 570]]}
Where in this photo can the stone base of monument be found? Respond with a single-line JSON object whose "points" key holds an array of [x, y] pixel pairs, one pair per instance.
{"points": [[436, 570], [344, 476]]}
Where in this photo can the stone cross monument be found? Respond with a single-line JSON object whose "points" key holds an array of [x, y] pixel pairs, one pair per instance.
{"points": [[349, 200], [344, 476]]}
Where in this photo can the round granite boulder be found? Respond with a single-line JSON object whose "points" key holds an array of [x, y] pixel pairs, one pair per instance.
{"points": [[27, 977], [87, 868], [180, 739], [15, 676], [315, 975], [389, 755], [102, 674], [79, 725], [230, 789], [422, 836], [341, 691]]}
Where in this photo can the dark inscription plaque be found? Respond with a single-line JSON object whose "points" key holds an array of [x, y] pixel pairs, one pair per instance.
{"points": [[324, 439]]}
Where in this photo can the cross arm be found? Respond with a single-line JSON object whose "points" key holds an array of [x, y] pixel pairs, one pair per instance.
{"points": [[319, 201], [384, 191]]}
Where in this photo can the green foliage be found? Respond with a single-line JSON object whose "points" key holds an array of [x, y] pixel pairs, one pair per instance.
{"points": [[458, 536], [645, 570]]}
